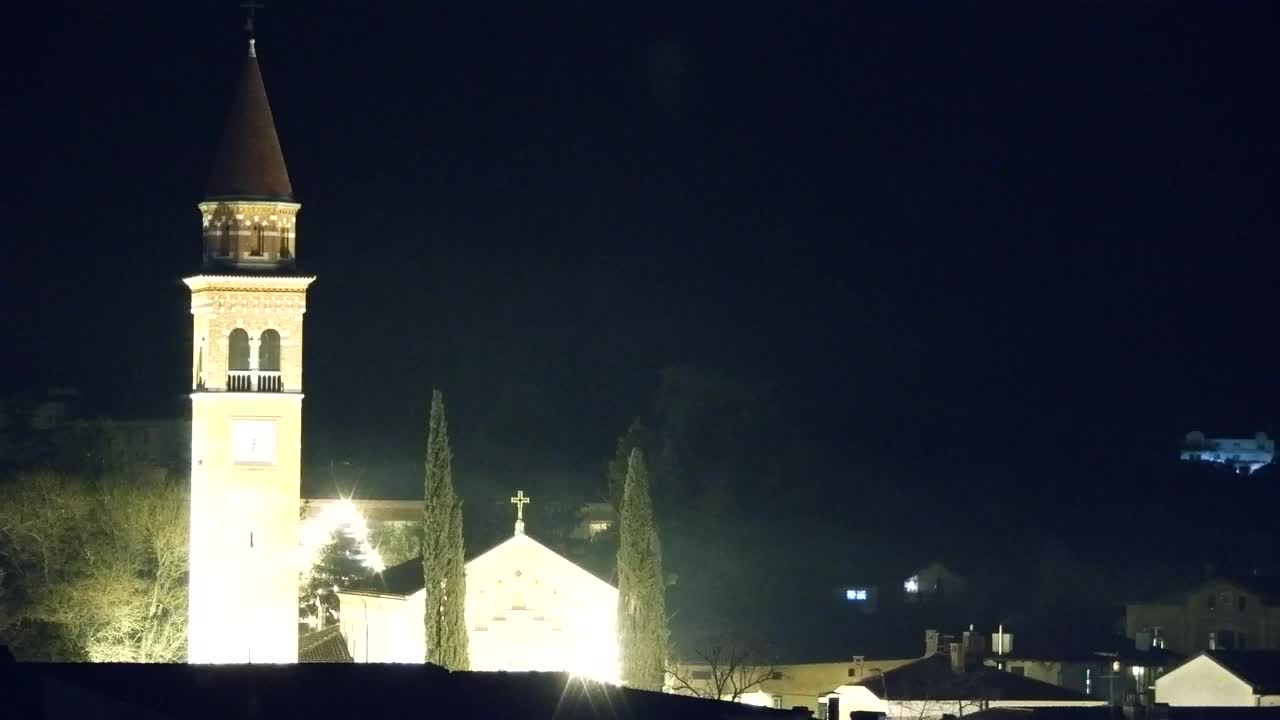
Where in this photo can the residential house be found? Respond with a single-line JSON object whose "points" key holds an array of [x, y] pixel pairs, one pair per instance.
{"points": [[593, 519], [768, 685], [1121, 672], [1242, 678], [945, 684], [934, 583], [1223, 613]]}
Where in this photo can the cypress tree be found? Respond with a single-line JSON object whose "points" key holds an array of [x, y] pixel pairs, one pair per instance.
{"points": [[442, 554], [642, 611]]}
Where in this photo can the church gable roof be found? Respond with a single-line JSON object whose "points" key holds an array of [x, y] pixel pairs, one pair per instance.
{"points": [[250, 164], [406, 578], [523, 543]]}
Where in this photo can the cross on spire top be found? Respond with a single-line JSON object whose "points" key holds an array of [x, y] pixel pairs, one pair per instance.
{"points": [[520, 500], [250, 6]]}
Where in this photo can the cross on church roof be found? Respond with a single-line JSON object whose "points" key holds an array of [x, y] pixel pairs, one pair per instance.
{"points": [[250, 6], [520, 501]]}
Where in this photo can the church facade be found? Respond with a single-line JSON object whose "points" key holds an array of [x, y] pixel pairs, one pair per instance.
{"points": [[247, 304], [527, 608]]}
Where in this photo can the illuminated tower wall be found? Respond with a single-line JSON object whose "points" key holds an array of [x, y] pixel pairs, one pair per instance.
{"points": [[246, 402]]}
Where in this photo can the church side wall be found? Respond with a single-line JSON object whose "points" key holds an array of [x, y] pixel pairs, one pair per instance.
{"points": [[383, 629]]}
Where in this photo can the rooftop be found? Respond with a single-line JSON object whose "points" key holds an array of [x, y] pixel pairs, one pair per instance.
{"points": [[338, 690], [932, 678], [250, 164], [323, 646]]}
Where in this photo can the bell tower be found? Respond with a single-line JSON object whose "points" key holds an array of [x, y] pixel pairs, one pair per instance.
{"points": [[246, 401]]}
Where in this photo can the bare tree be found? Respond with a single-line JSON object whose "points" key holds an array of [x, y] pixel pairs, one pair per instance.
{"points": [[722, 668], [104, 562]]}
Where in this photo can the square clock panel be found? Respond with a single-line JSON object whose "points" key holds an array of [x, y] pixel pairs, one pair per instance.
{"points": [[253, 442]]}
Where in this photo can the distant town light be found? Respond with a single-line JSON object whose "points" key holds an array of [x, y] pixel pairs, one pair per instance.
{"points": [[855, 594], [912, 585]]}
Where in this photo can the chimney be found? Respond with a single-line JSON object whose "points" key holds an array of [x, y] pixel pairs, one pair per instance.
{"points": [[1001, 642], [930, 642], [1142, 640], [957, 658], [975, 646]]}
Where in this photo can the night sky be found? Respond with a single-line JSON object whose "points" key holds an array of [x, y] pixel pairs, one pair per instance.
{"points": [[994, 258]]}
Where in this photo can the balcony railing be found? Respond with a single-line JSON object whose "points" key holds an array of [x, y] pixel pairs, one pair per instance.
{"points": [[254, 381]]}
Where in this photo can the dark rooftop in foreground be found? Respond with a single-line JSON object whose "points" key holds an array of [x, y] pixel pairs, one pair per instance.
{"points": [[335, 690], [1116, 713], [1103, 712]]}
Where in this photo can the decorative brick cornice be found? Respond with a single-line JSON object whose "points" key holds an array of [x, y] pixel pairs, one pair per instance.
{"points": [[250, 283]]}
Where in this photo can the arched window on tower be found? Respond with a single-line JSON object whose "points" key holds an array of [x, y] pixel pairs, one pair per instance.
{"points": [[224, 239], [269, 361], [257, 240], [284, 242], [238, 375]]}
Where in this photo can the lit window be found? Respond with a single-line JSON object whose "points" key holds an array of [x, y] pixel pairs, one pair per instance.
{"points": [[595, 527], [777, 701], [856, 594], [912, 585]]}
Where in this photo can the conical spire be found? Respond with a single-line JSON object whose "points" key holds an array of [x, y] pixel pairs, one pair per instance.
{"points": [[250, 164]]}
